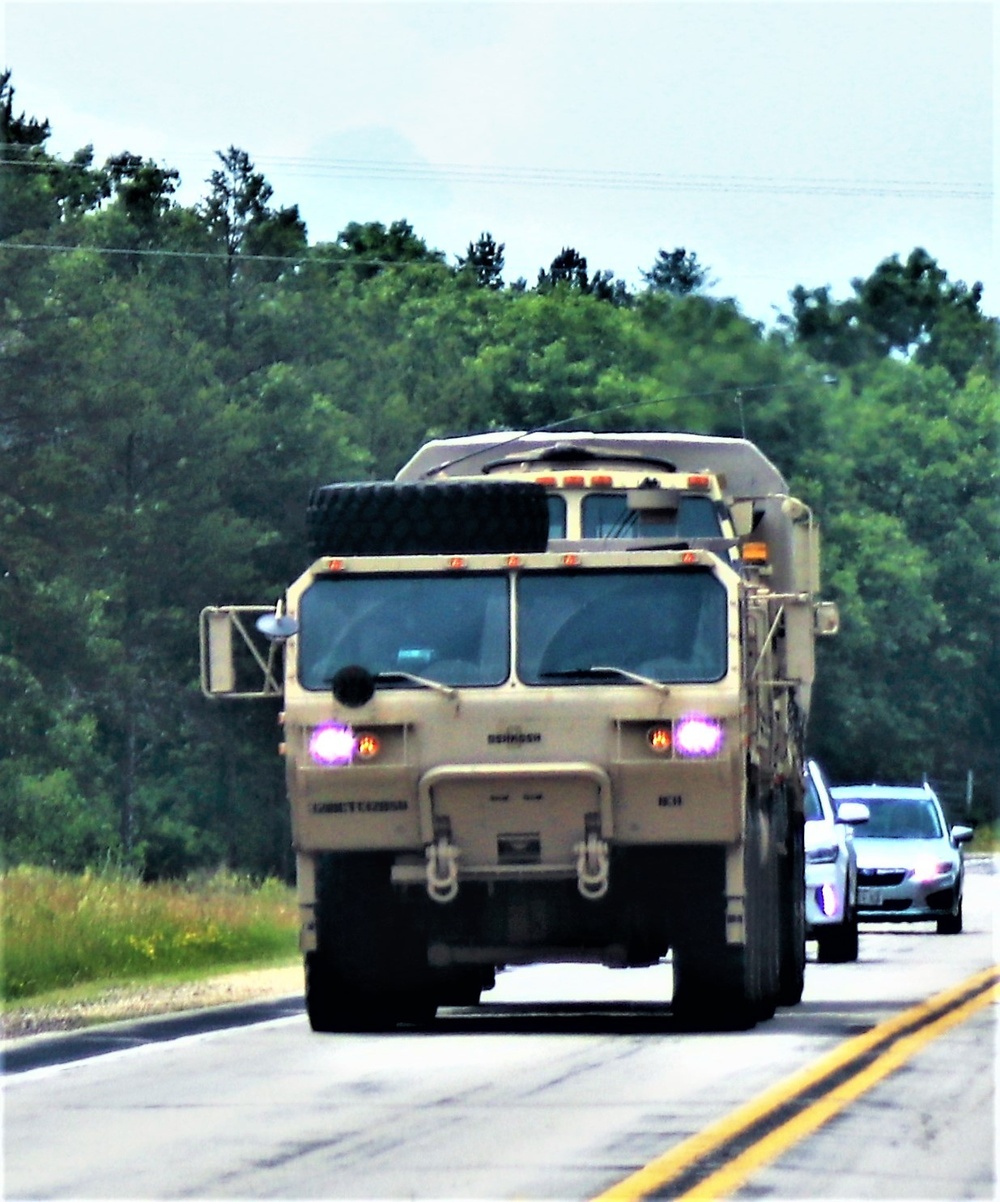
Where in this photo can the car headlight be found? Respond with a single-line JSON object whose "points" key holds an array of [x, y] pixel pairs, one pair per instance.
{"points": [[826, 853], [929, 869]]}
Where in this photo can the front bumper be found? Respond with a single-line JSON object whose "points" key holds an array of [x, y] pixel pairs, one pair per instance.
{"points": [[908, 900]]}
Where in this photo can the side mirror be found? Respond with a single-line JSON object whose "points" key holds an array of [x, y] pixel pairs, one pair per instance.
{"points": [[241, 650], [962, 834], [853, 813]]}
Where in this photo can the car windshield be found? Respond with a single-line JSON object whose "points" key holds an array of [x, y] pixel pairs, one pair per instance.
{"points": [[450, 628], [898, 818], [665, 625]]}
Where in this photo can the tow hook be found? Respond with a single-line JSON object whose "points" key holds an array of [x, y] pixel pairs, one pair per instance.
{"points": [[592, 867], [442, 871]]}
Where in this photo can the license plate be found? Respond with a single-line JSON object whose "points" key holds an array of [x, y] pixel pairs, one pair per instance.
{"points": [[867, 896]]}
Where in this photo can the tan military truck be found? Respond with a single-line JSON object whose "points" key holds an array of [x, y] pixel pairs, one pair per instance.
{"points": [[544, 699]]}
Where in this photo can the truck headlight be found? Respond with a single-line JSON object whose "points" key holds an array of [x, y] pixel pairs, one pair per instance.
{"points": [[698, 737], [332, 744]]}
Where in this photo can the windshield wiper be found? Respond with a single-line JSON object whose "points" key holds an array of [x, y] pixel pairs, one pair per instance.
{"points": [[354, 686], [447, 689], [604, 670]]}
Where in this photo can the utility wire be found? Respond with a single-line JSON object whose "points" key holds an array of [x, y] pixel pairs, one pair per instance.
{"points": [[309, 257], [601, 178]]}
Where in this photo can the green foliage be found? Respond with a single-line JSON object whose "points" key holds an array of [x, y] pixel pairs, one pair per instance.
{"points": [[61, 930], [908, 309], [177, 379], [677, 271]]}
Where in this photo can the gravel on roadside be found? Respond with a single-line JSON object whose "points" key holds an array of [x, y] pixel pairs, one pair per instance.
{"points": [[143, 1001]]}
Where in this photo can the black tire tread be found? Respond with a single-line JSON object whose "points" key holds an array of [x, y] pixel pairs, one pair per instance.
{"points": [[448, 517]]}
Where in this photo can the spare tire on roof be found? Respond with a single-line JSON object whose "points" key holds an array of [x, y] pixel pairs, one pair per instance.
{"points": [[449, 517]]}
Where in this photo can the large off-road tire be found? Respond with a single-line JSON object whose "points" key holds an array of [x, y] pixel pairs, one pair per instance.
{"points": [[722, 986], [711, 989], [792, 972], [370, 971], [449, 517]]}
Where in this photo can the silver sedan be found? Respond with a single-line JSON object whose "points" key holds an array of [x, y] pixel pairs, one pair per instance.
{"points": [[910, 864]]}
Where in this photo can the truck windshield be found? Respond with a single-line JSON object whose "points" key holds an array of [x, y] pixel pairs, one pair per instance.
{"points": [[449, 628], [667, 625], [607, 515]]}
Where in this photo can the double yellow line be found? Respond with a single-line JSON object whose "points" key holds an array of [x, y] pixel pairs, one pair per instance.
{"points": [[763, 1129]]}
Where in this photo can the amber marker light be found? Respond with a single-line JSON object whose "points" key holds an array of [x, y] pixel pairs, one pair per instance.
{"points": [[514, 561], [368, 746], [699, 481], [571, 560], [574, 482], [660, 739], [457, 562], [334, 565], [754, 552]]}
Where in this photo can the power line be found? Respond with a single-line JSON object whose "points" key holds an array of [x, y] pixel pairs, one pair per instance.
{"points": [[599, 178], [309, 257]]}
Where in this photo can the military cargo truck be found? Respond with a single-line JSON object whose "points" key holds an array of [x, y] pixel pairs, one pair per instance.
{"points": [[544, 699]]}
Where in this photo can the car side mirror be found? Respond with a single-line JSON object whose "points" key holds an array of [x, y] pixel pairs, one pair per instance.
{"points": [[853, 813], [962, 834]]}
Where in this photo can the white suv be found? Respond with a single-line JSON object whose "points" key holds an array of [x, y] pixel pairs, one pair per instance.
{"points": [[831, 870]]}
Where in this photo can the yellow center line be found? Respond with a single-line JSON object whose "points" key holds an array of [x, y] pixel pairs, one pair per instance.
{"points": [[663, 1169], [732, 1176]]}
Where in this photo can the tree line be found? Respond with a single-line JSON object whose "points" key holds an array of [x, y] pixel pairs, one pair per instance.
{"points": [[174, 379]]}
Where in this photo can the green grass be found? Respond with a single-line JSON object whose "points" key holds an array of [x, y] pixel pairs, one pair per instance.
{"points": [[62, 931], [986, 839]]}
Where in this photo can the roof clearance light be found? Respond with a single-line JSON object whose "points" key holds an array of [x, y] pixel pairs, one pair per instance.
{"points": [[571, 560], [601, 481], [548, 481], [334, 565], [660, 739], [332, 744], [457, 562], [369, 745], [689, 557], [697, 737], [514, 561], [573, 482], [755, 552], [699, 481]]}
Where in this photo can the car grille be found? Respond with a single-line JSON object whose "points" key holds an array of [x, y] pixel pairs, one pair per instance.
{"points": [[881, 876]]}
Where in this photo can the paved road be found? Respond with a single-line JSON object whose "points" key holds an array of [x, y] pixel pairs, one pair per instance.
{"points": [[565, 1083]]}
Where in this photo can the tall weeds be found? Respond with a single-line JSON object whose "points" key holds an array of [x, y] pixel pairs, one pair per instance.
{"points": [[60, 930]]}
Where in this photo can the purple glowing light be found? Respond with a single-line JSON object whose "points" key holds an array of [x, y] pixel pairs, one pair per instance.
{"points": [[331, 744], [826, 898], [697, 737]]}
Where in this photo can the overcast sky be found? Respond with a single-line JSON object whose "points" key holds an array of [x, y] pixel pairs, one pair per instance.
{"points": [[787, 142]]}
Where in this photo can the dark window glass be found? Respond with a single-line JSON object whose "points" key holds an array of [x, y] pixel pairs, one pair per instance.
{"points": [[450, 628], [898, 818], [557, 516], [670, 626], [607, 515]]}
